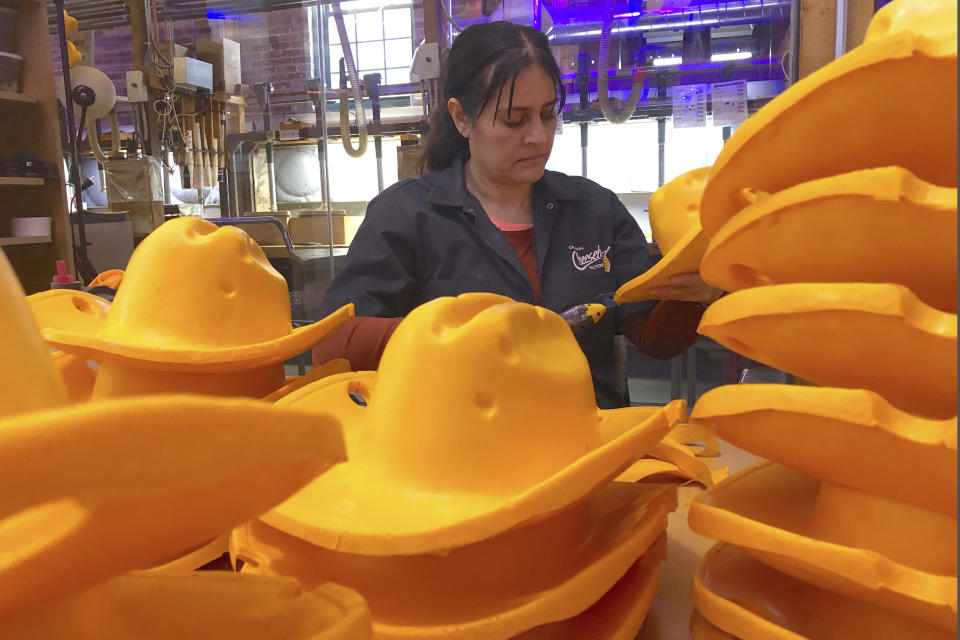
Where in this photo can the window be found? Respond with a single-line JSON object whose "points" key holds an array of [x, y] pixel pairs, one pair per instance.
{"points": [[381, 40]]}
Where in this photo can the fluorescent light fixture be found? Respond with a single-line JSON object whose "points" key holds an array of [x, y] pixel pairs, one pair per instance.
{"points": [[667, 62], [733, 55]]}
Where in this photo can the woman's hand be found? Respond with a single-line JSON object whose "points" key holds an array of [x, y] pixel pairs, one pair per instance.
{"points": [[689, 287]]}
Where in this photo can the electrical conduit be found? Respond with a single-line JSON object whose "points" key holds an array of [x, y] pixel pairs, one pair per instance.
{"points": [[357, 93], [609, 112]]}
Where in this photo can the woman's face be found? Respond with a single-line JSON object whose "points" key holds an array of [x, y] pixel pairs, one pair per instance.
{"points": [[513, 149]]}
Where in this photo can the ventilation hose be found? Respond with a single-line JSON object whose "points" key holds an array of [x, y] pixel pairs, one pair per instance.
{"points": [[613, 115], [357, 94]]}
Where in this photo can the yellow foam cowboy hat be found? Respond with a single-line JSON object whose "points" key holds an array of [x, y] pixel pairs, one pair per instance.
{"points": [[198, 298], [201, 605], [92, 490], [871, 336], [849, 105], [675, 221], [70, 309], [743, 597], [620, 613], [892, 554], [482, 416], [849, 436], [838, 229], [498, 587]]}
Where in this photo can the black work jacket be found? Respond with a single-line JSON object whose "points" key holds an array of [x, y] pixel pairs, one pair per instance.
{"points": [[429, 237]]}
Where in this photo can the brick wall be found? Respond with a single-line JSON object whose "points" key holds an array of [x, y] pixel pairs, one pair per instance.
{"points": [[275, 46]]}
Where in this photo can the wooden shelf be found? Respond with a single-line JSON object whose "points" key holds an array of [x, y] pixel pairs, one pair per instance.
{"points": [[9, 97], [26, 240], [22, 182]]}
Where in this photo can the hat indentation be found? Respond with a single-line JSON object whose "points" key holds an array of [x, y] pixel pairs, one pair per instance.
{"points": [[508, 350], [228, 284], [693, 206], [83, 305], [486, 403]]}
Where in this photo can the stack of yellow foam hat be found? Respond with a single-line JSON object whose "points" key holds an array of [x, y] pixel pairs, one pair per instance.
{"points": [[200, 310], [849, 531], [675, 222], [479, 499], [94, 490]]}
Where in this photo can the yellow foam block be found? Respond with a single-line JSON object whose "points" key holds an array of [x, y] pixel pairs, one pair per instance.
{"points": [[847, 436], [499, 587], [426, 475], [620, 613], [194, 298], [877, 225], [849, 105], [891, 554], [30, 381], [202, 605], [675, 222], [743, 597], [873, 336], [701, 629], [77, 376], [93, 490]]}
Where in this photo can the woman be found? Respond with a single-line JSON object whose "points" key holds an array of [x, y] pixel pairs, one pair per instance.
{"points": [[490, 218]]}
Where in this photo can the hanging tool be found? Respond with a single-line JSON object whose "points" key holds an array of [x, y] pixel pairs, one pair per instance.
{"points": [[371, 82]]}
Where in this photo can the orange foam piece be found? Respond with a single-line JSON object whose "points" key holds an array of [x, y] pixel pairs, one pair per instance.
{"points": [[849, 103], [744, 597], [891, 554], [847, 436], [872, 336], [839, 229]]}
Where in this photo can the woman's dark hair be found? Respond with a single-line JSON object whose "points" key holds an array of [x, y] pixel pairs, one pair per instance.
{"points": [[483, 60]]}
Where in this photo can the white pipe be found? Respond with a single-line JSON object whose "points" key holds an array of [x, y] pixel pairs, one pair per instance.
{"points": [[613, 115], [94, 140], [357, 93], [840, 42], [114, 134]]}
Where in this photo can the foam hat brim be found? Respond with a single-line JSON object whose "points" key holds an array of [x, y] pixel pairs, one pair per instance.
{"points": [[893, 555], [68, 310], [701, 629], [849, 436], [494, 588], [684, 257], [845, 102], [93, 490], [357, 508], [620, 613], [852, 335], [743, 597], [200, 605], [848, 219], [220, 360]]}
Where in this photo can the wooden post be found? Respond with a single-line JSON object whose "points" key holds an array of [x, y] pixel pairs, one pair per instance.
{"points": [[818, 21], [138, 32]]}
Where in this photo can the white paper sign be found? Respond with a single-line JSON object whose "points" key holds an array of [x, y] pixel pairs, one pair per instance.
{"points": [[689, 105], [729, 102]]}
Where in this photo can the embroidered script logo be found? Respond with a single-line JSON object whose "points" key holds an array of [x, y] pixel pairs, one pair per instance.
{"points": [[592, 260]]}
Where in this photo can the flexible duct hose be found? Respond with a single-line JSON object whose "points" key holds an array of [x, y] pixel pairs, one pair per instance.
{"points": [[603, 67], [357, 93]]}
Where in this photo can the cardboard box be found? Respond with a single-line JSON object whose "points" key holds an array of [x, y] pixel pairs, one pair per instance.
{"points": [[224, 55], [312, 226]]}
